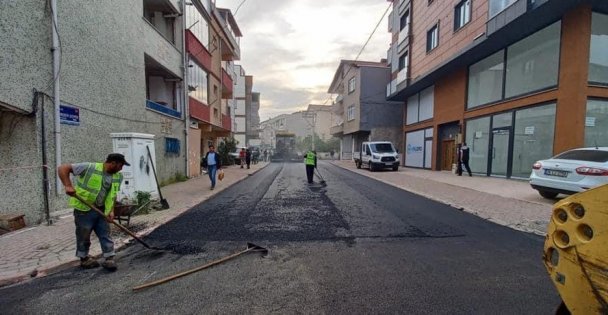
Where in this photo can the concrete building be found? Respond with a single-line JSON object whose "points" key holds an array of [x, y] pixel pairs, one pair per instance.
{"points": [[517, 80], [300, 123], [361, 109], [118, 68], [212, 45], [240, 111], [253, 120]]}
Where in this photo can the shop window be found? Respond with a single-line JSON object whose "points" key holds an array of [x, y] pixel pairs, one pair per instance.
{"points": [[533, 62], [478, 141], [598, 58], [596, 123], [534, 133], [485, 80]]}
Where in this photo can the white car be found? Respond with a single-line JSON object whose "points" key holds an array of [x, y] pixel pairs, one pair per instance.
{"points": [[570, 172]]}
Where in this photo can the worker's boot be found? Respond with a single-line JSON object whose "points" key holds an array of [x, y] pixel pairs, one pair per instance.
{"points": [[88, 262], [109, 264]]}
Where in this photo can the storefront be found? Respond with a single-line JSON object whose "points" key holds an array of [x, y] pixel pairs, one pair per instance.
{"points": [[419, 148]]}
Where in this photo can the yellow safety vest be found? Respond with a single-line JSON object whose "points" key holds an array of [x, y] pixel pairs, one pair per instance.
{"points": [[88, 186], [310, 158]]}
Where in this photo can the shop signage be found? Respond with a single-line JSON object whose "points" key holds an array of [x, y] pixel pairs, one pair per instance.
{"points": [[529, 130]]}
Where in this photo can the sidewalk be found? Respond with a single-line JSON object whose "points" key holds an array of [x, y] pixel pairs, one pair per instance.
{"points": [[512, 203], [39, 250]]}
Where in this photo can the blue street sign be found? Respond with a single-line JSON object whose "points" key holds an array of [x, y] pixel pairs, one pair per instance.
{"points": [[69, 115]]}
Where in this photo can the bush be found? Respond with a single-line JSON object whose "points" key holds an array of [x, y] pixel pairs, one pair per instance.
{"points": [[142, 198], [224, 149]]}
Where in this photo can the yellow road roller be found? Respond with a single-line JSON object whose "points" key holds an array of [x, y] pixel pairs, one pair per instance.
{"points": [[576, 252]]}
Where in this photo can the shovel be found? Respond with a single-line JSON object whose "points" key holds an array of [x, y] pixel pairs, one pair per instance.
{"points": [[120, 226], [250, 248], [163, 202], [322, 182]]}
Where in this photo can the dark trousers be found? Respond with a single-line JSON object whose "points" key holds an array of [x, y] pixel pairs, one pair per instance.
{"points": [[310, 172], [466, 165]]}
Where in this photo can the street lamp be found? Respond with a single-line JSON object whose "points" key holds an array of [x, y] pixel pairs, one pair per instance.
{"points": [[313, 116]]}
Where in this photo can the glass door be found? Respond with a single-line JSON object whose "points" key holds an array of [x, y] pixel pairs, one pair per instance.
{"points": [[499, 158]]}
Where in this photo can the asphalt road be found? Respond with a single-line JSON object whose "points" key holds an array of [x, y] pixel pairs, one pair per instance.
{"points": [[355, 246]]}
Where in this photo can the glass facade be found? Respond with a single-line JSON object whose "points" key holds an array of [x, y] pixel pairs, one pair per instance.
{"points": [[596, 123], [478, 141], [533, 138], [598, 57], [197, 24], [532, 63], [198, 83], [497, 6], [485, 80]]}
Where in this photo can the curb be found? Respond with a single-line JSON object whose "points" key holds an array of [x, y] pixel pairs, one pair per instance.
{"points": [[455, 206], [120, 244]]}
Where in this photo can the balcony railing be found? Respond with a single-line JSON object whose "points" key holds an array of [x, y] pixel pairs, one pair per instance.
{"points": [[402, 75], [198, 51], [163, 109], [227, 85], [336, 130], [199, 110]]}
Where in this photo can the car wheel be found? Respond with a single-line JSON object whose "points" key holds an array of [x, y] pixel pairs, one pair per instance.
{"points": [[548, 194], [371, 167]]}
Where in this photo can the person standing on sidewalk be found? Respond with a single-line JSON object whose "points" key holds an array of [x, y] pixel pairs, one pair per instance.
{"points": [[463, 159], [310, 160], [98, 184], [248, 158], [212, 159], [242, 156]]}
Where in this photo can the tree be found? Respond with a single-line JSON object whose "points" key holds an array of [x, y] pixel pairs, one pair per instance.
{"points": [[225, 148]]}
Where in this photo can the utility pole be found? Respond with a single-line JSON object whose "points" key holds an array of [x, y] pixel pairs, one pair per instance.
{"points": [[311, 115]]}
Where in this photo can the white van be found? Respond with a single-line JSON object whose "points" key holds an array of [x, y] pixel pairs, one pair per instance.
{"points": [[377, 155]]}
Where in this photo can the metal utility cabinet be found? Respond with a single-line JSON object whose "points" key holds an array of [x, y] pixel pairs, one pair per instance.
{"points": [[140, 175]]}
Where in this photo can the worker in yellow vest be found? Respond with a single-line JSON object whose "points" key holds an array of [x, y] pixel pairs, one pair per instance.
{"points": [[310, 159], [98, 184]]}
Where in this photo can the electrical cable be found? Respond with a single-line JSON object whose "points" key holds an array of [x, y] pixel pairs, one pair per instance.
{"points": [[60, 47], [238, 7]]}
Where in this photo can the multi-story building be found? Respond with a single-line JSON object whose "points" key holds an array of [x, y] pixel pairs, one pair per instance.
{"points": [[517, 80], [316, 118], [118, 68], [240, 113], [361, 109], [253, 120], [212, 44]]}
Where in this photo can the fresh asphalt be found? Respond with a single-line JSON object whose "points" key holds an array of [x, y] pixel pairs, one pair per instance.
{"points": [[354, 246]]}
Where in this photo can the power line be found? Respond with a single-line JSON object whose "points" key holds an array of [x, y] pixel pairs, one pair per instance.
{"points": [[238, 7]]}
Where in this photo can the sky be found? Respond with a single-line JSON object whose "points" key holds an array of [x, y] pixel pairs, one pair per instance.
{"points": [[292, 48]]}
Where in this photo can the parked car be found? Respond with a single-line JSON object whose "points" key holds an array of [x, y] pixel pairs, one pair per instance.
{"points": [[570, 172]]}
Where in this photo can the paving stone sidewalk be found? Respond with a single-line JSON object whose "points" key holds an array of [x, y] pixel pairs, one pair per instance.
{"points": [[38, 250], [512, 203]]}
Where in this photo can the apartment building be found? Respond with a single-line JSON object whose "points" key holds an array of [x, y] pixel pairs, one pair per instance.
{"points": [[361, 110], [317, 118], [212, 45], [118, 67], [253, 120], [517, 80]]}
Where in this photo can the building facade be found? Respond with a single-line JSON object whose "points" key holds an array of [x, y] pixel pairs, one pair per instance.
{"points": [[240, 110], [516, 80], [212, 46], [119, 68], [361, 110]]}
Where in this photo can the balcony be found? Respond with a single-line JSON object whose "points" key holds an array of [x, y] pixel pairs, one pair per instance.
{"points": [[336, 130], [391, 88], [163, 108], [404, 36], [402, 5], [199, 111], [232, 34], [227, 85], [338, 107], [198, 51], [227, 122], [162, 89], [402, 75]]}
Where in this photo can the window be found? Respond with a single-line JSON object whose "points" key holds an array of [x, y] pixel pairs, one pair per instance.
{"points": [[420, 106], [196, 23], [172, 146], [485, 80], [403, 61], [462, 14], [351, 85], [432, 38], [404, 21], [532, 63], [533, 138], [596, 123], [216, 113], [350, 113], [478, 140], [198, 83], [497, 6], [598, 58]]}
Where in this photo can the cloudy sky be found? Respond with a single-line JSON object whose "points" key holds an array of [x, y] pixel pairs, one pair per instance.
{"points": [[292, 48]]}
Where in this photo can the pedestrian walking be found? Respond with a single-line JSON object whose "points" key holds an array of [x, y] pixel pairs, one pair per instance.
{"points": [[463, 159], [331, 153], [213, 164], [97, 184], [310, 160], [242, 156], [266, 155], [248, 157]]}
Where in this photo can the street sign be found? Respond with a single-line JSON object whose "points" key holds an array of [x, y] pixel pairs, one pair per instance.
{"points": [[69, 115]]}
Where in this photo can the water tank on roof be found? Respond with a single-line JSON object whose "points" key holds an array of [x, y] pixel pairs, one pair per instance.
{"points": [[140, 175]]}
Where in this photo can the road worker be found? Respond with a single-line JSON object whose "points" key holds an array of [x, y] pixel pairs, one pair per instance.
{"points": [[310, 160]]}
